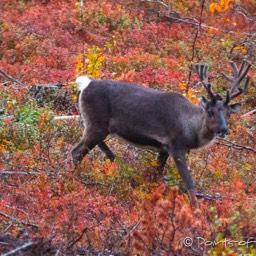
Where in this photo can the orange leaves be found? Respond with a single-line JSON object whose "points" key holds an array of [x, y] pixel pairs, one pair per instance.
{"points": [[240, 48], [190, 94], [227, 20], [238, 184], [214, 7], [43, 120], [111, 168], [42, 185], [166, 221], [182, 86], [226, 3], [1, 148], [213, 31], [223, 5], [129, 76]]}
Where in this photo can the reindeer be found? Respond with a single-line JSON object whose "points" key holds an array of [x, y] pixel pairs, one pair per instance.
{"points": [[166, 122]]}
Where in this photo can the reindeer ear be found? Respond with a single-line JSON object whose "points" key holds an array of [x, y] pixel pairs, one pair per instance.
{"points": [[203, 101], [235, 107]]}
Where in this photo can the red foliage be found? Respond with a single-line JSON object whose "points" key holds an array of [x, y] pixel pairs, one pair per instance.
{"points": [[111, 208]]}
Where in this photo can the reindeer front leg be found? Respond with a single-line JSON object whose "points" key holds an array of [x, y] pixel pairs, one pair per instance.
{"points": [[180, 161], [162, 158], [91, 137]]}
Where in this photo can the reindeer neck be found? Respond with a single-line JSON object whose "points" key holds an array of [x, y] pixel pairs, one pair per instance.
{"points": [[205, 136]]}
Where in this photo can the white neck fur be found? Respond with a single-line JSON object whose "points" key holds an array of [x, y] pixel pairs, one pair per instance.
{"points": [[83, 82]]}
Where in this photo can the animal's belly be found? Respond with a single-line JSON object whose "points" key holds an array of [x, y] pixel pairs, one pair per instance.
{"points": [[141, 141], [145, 135]]}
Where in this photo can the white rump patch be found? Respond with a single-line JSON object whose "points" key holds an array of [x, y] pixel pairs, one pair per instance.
{"points": [[83, 82]]}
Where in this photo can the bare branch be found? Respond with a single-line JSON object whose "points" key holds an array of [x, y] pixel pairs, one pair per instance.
{"points": [[231, 144], [18, 220], [175, 16], [3, 172], [249, 113], [216, 197], [77, 239], [194, 45], [159, 2], [55, 118], [66, 117], [12, 79], [18, 248]]}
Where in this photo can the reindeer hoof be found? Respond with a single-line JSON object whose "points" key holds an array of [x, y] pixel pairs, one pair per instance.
{"points": [[76, 158]]}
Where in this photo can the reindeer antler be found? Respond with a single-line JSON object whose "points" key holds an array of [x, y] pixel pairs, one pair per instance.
{"points": [[201, 70], [236, 79]]}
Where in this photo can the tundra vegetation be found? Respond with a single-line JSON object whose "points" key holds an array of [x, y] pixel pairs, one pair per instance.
{"points": [[48, 207]]}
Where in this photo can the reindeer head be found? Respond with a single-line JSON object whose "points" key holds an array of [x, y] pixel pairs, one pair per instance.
{"points": [[218, 109]]}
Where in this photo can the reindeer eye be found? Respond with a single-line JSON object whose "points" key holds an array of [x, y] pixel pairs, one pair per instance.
{"points": [[210, 113]]}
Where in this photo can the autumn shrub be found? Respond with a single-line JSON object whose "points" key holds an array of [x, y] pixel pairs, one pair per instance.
{"points": [[168, 226]]}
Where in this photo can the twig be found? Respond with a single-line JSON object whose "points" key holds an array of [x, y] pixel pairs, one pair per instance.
{"points": [[135, 226], [55, 118], [66, 117], [216, 197], [78, 238], [159, 2], [18, 248], [3, 172], [249, 113], [205, 166], [12, 79], [235, 145], [57, 253], [18, 220], [194, 22], [8, 227], [4, 243], [49, 86], [194, 45]]}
